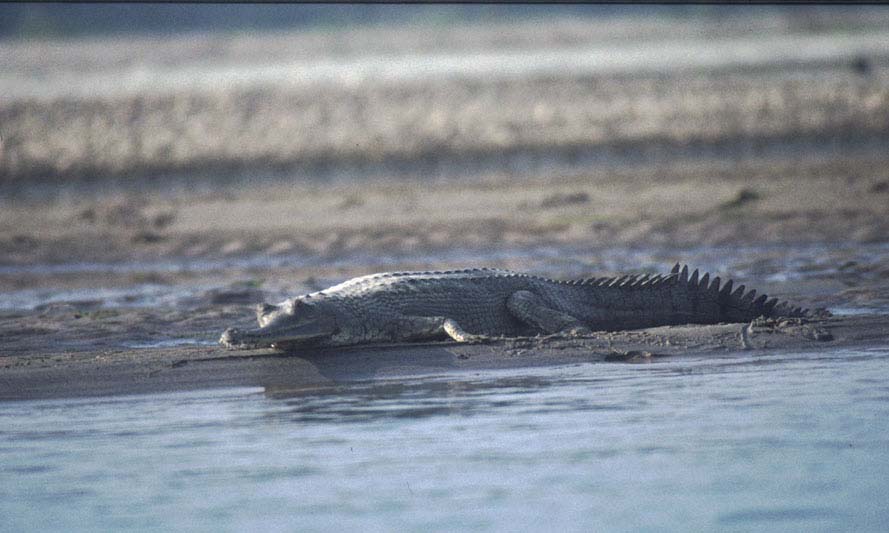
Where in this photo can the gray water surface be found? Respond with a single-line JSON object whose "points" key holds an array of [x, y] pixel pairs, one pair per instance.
{"points": [[792, 442]]}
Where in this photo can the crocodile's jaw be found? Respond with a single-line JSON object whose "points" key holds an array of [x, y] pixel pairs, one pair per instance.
{"points": [[278, 334]]}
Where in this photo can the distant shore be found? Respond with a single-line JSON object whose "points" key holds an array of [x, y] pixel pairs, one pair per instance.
{"points": [[416, 103]]}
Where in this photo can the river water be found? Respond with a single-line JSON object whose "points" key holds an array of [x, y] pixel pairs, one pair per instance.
{"points": [[784, 442]]}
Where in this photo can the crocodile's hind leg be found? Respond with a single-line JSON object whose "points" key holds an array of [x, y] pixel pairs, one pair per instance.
{"points": [[531, 309]]}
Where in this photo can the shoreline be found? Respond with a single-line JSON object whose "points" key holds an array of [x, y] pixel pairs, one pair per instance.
{"points": [[192, 368]]}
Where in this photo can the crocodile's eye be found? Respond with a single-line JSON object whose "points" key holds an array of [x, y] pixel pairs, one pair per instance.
{"points": [[301, 307], [264, 309]]}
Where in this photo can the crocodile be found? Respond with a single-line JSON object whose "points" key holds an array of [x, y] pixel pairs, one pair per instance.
{"points": [[479, 304]]}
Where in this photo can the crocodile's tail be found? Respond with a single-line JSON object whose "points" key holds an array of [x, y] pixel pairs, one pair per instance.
{"points": [[680, 297], [735, 303]]}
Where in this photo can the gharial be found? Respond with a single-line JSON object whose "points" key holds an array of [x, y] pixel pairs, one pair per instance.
{"points": [[478, 304]]}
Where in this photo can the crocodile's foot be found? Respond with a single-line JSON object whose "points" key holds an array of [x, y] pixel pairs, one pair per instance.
{"points": [[457, 333], [576, 332]]}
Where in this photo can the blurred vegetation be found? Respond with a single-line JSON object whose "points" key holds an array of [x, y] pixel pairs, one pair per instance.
{"points": [[42, 20]]}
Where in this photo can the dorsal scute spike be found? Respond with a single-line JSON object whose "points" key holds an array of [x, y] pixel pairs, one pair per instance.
{"points": [[640, 280], [683, 274], [705, 281], [694, 278], [761, 299], [714, 286], [675, 269], [770, 304], [739, 292], [727, 288], [749, 297]]}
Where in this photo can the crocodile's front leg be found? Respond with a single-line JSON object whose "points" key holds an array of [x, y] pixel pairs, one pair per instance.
{"points": [[531, 309], [454, 331], [417, 328]]}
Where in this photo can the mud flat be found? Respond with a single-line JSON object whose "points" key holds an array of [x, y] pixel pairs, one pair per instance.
{"points": [[694, 203]]}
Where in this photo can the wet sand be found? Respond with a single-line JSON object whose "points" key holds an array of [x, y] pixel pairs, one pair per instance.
{"points": [[690, 203], [117, 371]]}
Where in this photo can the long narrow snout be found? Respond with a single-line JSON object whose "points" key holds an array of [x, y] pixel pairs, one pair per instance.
{"points": [[275, 335], [235, 338]]}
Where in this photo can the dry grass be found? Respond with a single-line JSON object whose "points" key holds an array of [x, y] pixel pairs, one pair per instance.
{"points": [[239, 129], [276, 128]]}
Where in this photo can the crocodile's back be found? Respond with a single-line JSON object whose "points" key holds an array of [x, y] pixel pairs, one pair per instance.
{"points": [[475, 298]]}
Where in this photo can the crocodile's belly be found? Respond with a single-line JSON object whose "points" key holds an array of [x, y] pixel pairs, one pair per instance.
{"points": [[478, 316]]}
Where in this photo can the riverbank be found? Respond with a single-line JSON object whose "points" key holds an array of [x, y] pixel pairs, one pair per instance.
{"points": [[110, 370], [129, 293]]}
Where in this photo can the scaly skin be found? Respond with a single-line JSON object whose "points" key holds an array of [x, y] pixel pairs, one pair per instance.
{"points": [[477, 304]]}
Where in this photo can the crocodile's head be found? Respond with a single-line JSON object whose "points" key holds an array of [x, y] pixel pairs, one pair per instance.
{"points": [[296, 322]]}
